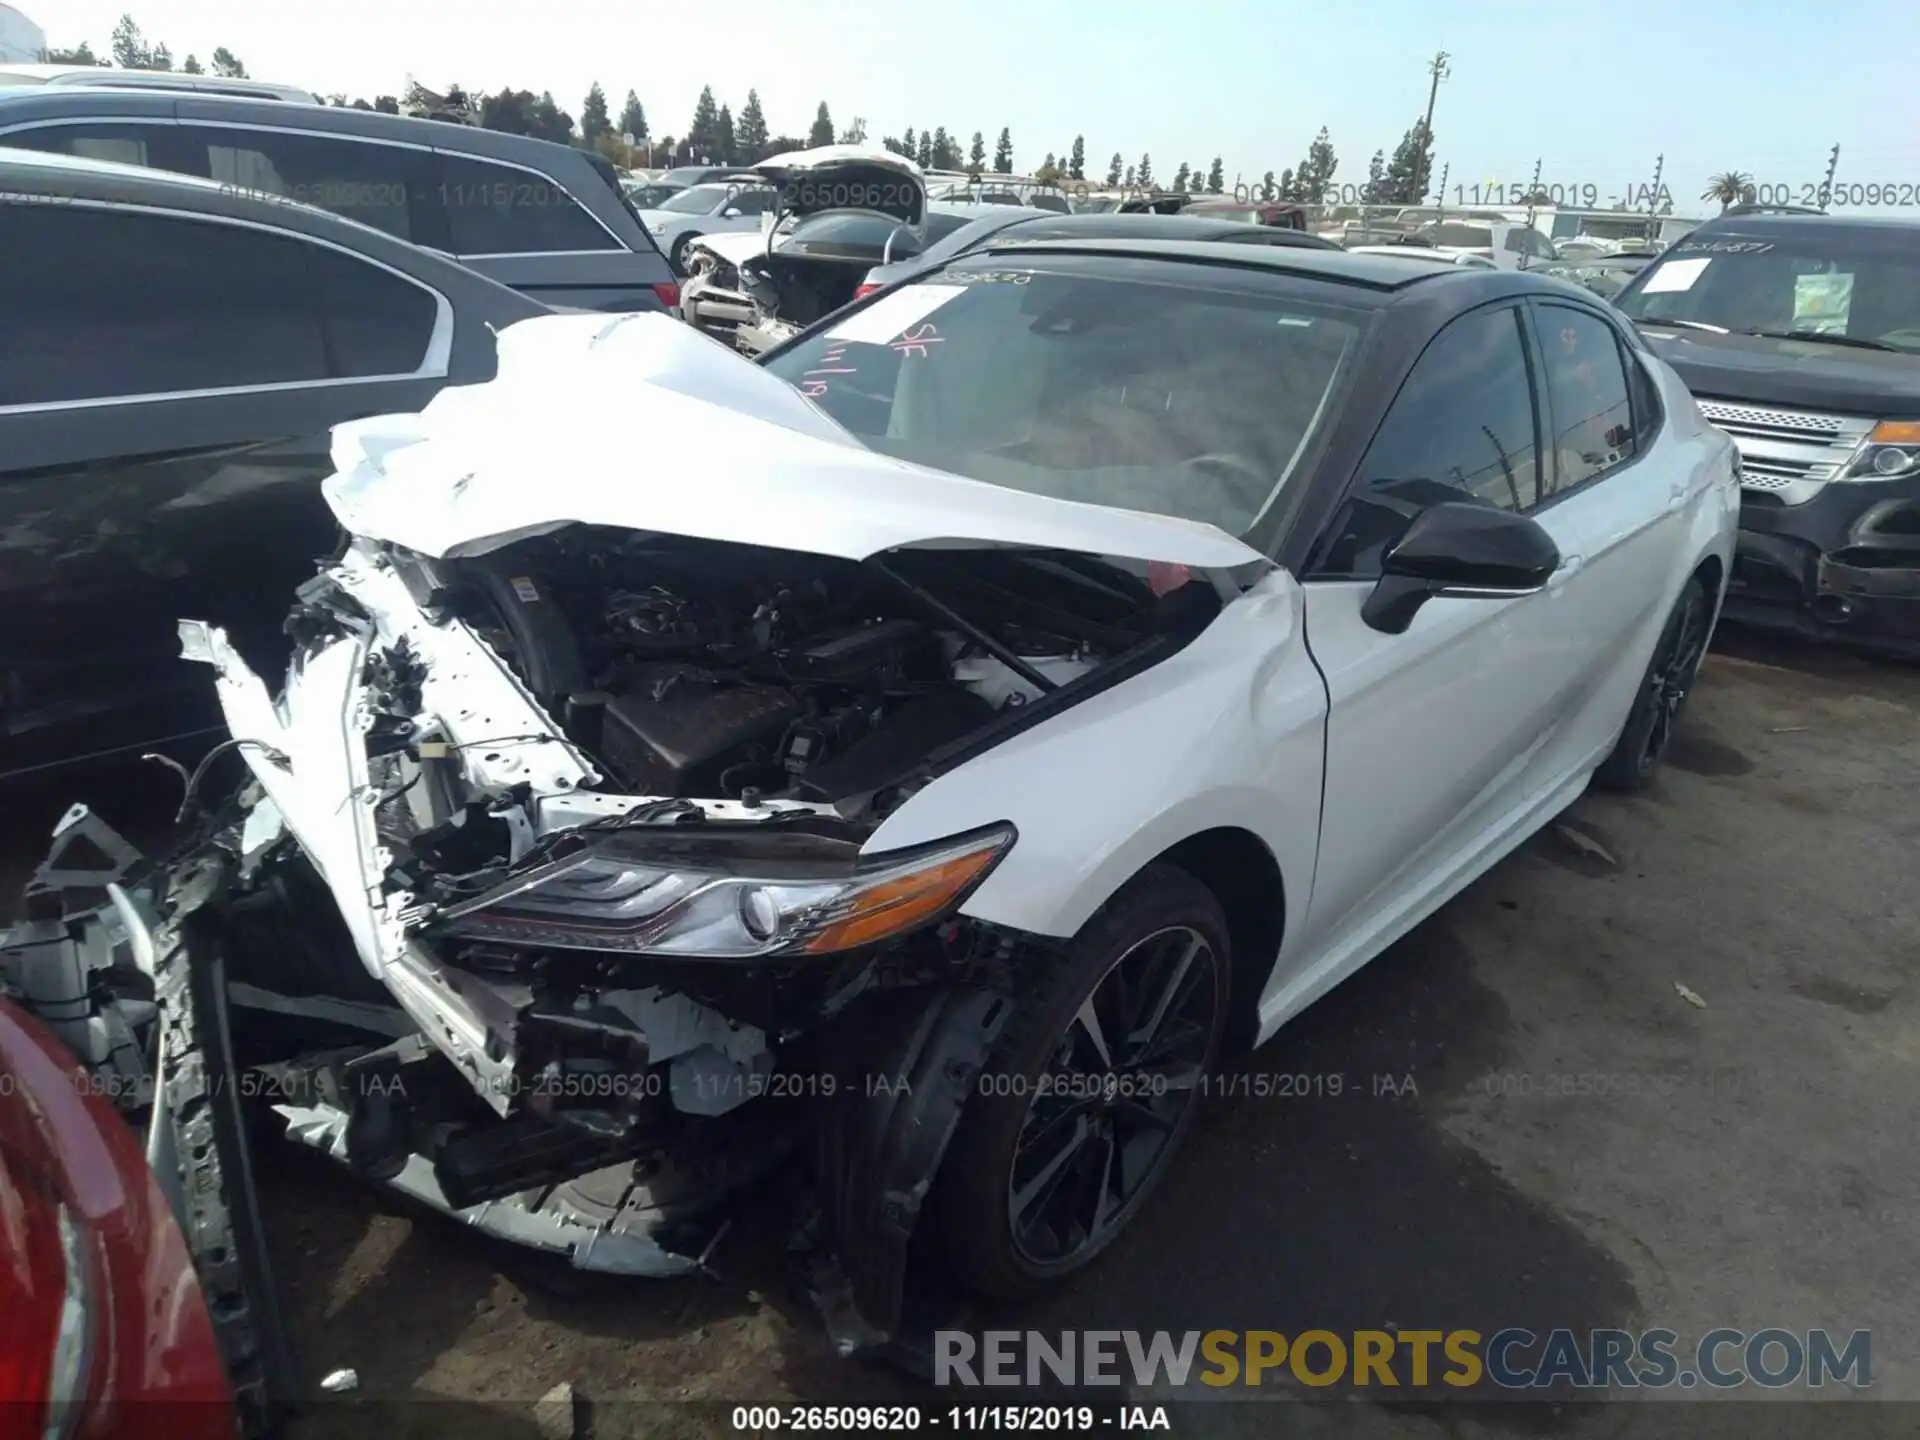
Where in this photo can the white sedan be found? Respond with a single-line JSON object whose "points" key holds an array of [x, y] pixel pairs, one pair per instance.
{"points": [[1036, 676], [716, 207]]}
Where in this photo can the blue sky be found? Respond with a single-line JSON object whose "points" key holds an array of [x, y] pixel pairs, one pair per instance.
{"points": [[1594, 92]]}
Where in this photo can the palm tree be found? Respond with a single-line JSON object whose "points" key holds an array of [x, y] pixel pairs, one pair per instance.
{"points": [[1731, 187]]}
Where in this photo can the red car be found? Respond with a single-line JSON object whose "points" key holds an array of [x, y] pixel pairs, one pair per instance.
{"points": [[104, 1331]]}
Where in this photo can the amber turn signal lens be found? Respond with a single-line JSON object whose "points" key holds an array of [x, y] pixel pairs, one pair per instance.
{"points": [[899, 904]]}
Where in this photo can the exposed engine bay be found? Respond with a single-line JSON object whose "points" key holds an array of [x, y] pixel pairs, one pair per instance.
{"points": [[711, 670], [544, 899]]}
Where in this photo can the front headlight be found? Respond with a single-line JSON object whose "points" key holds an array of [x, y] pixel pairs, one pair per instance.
{"points": [[658, 227], [641, 892], [1891, 451]]}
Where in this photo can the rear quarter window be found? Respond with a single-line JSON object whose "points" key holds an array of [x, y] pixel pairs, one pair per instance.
{"points": [[497, 209]]}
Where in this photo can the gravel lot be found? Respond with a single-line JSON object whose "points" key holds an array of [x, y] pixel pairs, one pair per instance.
{"points": [[1586, 1147]]}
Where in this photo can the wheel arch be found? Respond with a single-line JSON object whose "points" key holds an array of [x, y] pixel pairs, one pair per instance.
{"points": [[1244, 876]]}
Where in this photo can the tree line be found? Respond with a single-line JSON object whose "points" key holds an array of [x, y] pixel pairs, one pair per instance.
{"points": [[716, 136], [129, 49]]}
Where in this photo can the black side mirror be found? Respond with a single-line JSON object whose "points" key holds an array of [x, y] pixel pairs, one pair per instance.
{"points": [[1457, 548]]}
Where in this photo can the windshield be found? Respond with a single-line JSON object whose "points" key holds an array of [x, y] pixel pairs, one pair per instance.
{"points": [[1191, 402], [698, 199], [1792, 285], [853, 234], [651, 196]]}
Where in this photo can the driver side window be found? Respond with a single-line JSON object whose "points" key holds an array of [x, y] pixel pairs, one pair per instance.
{"points": [[1463, 427]]}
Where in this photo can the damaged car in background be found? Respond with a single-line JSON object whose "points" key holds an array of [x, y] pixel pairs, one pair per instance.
{"points": [[839, 211], [923, 792], [1800, 336]]}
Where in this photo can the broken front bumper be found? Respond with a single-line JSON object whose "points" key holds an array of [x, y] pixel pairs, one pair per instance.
{"points": [[1843, 565], [426, 1094]]}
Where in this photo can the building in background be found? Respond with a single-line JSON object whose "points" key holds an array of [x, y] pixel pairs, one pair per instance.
{"points": [[21, 41]]}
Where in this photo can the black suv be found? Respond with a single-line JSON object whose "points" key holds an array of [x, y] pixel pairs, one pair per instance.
{"points": [[172, 357], [550, 220], [1799, 335]]}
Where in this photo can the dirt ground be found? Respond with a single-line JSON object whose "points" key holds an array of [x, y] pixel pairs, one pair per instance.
{"points": [[1746, 1163]]}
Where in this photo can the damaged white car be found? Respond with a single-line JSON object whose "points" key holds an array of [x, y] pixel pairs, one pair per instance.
{"points": [[1042, 673], [840, 210]]}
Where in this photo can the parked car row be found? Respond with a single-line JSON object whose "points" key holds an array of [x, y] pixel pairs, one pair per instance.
{"points": [[755, 291]]}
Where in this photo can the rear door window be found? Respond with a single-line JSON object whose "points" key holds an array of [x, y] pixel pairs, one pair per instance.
{"points": [[378, 323], [502, 210], [1593, 429], [375, 183], [107, 304]]}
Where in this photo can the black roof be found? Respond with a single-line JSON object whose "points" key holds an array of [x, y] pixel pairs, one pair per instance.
{"points": [[1384, 274]]}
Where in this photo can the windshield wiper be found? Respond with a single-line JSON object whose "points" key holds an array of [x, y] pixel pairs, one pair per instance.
{"points": [[1854, 340], [1686, 325]]}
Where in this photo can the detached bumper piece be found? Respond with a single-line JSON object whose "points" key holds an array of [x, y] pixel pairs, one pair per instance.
{"points": [[1843, 566]]}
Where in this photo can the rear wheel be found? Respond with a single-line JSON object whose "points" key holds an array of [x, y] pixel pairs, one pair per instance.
{"points": [[1091, 1089], [1663, 694]]}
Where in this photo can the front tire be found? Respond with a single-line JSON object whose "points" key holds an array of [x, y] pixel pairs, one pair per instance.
{"points": [[1090, 1090], [1663, 692]]}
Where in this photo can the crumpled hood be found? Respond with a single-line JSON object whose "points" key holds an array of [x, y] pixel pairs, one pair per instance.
{"points": [[744, 458]]}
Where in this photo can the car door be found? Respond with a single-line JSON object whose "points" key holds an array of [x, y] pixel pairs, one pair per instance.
{"points": [[1616, 505], [1435, 736], [165, 395]]}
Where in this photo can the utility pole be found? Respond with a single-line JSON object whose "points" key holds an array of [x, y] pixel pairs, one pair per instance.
{"points": [[1439, 71], [1443, 193], [1653, 197], [1533, 189], [1826, 187]]}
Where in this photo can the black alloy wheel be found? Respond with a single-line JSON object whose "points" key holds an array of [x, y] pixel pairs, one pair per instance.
{"points": [[1111, 1098], [1094, 1084], [1663, 694]]}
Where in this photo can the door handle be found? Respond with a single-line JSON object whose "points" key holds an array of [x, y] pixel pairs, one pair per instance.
{"points": [[1569, 567]]}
